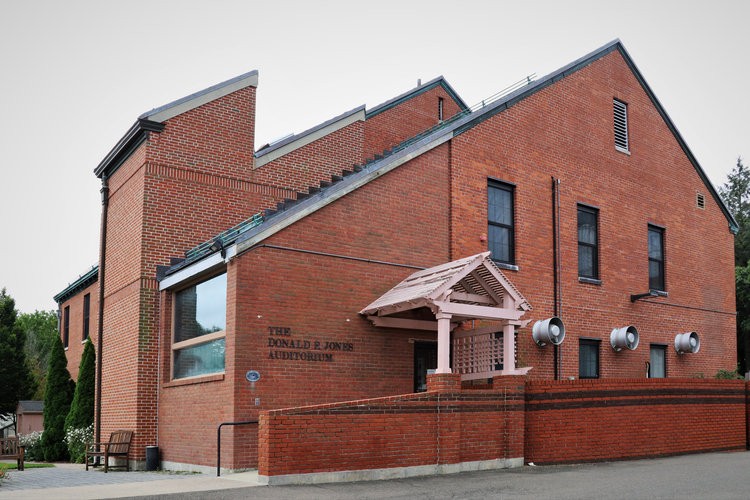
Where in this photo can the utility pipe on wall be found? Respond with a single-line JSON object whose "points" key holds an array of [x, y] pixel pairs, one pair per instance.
{"points": [[100, 329], [557, 294]]}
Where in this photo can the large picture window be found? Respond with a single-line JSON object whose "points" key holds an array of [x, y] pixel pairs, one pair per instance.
{"points": [[500, 222], [199, 328], [588, 249], [656, 258]]}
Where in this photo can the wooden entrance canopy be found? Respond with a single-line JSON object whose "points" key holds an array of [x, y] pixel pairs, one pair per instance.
{"points": [[472, 288]]}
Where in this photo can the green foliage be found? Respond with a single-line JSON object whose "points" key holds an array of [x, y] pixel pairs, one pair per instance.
{"points": [[40, 328], [32, 443], [729, 375], [58, 394], [17, 381], [82, 408], [76, 438], [736, 195], [742, 283]]}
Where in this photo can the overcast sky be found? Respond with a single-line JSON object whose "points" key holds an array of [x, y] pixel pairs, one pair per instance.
{"points": [[75, 75]]}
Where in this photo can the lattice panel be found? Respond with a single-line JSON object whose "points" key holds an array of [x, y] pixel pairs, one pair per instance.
{"points": [[478, 356]]}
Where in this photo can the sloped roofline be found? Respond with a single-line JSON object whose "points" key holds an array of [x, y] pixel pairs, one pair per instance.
{"points": [[83, 281], [419, 89], [153, 121], [446, 132]]}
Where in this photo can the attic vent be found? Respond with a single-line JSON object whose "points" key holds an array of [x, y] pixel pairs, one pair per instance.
{"points": [[700, 200], [621, 126]]}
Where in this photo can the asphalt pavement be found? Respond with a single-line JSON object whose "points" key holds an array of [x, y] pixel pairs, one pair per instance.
{"points": [[703, 476]]}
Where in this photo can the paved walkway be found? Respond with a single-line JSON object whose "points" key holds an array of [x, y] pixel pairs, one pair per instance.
{"points": [[72, 481]]}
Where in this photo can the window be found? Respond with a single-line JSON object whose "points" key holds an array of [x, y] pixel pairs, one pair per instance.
{"points": [[658, 362], [700, 201], [440, 108], [588, 358], [199, 328], [621, 126], [588, 249], [86, 315], [66, 327], [500, 222], [656, 258]]}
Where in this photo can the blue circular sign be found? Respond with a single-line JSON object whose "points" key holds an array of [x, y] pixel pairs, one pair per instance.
{"points": [[252, 376]]}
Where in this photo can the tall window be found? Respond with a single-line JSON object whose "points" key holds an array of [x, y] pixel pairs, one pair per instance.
{"points": [[588, 246], [500, 222], [199, 328], [658, 361], [86, 315], [656, 258], [66, 327], [440, 108], [588, 358], [621, 126]]}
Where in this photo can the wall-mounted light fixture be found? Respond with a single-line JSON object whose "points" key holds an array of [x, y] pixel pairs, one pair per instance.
{"points": [[218, 245]]}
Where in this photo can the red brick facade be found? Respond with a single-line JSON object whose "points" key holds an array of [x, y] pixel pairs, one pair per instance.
{"points": [[293, 296]]}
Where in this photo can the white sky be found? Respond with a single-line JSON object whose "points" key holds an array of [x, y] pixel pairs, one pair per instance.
{"points": [[74, 76]]}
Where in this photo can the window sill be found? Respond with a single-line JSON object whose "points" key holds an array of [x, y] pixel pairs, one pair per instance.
{"points": [[624, 151], [199, 379], [590, 281], [507, 267]]}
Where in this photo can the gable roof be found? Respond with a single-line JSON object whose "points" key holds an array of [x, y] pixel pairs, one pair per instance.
{"points": [[292, 211], [440, 81], [473, 278]]}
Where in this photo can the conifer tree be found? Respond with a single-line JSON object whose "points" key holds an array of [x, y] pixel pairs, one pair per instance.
{"points": [[16, 381], [82, 408], [58, 394]]}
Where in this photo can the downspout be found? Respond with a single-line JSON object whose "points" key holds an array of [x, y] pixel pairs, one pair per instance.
{"points": [[557, 294], [100, 329]]}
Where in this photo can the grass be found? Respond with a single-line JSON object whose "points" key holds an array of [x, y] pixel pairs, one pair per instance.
{"points": [[12, 465]]}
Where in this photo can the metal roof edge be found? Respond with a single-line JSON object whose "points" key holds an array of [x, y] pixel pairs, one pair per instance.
{"points": [[192, 101], [309, 135], [733, 225], [129, 142], [438, 81], [76, 286]]}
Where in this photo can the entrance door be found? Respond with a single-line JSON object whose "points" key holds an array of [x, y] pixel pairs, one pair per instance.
{"points": [[425, 358]]}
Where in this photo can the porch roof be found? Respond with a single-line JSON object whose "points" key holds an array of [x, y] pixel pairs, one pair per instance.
{"points": [[468, 288]]}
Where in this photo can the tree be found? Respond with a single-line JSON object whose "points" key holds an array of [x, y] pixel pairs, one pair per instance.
{"points": [[16, 381], [40, 328], [82, 408], [58, 394], [736, 195]]}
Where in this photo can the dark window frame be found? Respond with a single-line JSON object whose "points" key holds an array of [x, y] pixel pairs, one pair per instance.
{"points": [[86, 315], [662, 347], [589, 343], [594, 246], [441, 109], [511, 189], [657, 282], [66, 327]]}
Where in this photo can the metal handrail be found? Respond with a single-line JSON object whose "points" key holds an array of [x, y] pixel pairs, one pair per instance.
{"points": [[218, 441]]}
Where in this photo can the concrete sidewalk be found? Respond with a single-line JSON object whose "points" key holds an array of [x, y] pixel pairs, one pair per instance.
{"points": [[72, 481]]}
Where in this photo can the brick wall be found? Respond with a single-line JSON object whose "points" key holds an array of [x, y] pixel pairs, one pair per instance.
{"points": [[561, 422], [566, 131], [76, 340], [445, 426], [594, 420]]}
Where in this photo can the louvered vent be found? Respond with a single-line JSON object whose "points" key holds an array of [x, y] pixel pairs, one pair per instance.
{"points": [[621, 125], [700, 200]]}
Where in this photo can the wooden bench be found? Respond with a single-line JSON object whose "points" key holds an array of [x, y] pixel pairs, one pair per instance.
{"points": [[12, 448], [117, 447]]}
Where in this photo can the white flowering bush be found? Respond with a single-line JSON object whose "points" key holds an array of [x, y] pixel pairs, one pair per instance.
{"points": [[32, 443], [76, 439]]}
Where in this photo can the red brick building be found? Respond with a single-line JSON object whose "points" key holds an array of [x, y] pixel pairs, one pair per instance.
{"points": [[343, 262]]}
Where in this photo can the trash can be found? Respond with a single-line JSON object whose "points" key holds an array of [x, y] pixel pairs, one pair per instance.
{"points": [[152, 457]]}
